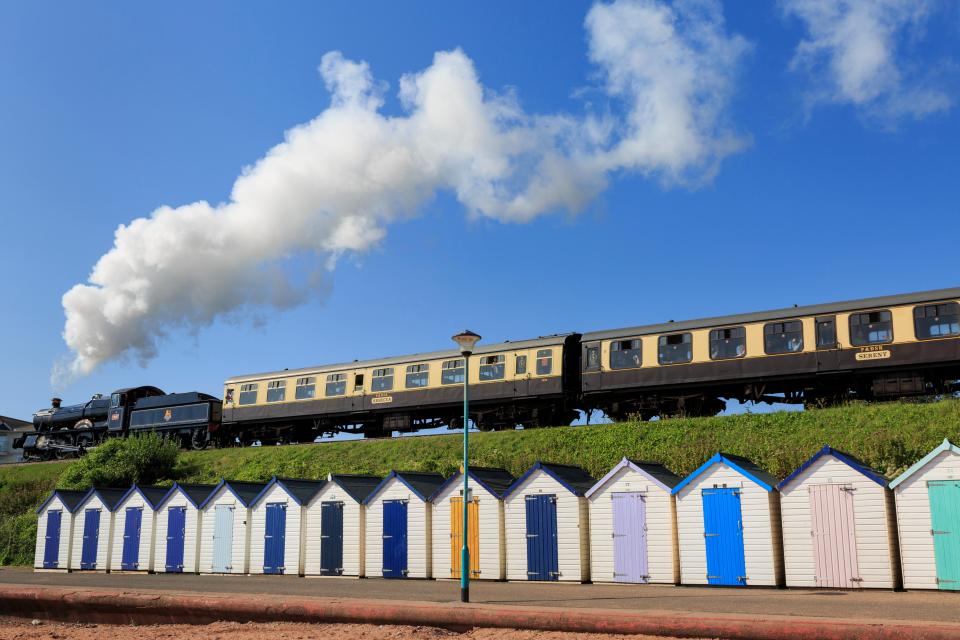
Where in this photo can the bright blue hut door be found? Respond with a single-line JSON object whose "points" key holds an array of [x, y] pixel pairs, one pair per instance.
{"points": [[331, 538], [51, 550], [543, 556], [130, 560], [723, 535], [222, 538], [394, 539], [176, 533], [275, 538], [91, 535]]}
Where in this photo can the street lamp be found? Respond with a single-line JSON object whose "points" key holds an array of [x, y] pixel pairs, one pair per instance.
{"points": [[466, 340]]}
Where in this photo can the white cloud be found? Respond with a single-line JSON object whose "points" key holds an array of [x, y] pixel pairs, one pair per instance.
{"points": [[335, 183], [853, 50]]}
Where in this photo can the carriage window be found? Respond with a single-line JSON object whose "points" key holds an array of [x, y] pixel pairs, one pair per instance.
{"points": [[276, 391], [544, 362], [675, 349], [306, 388], [492, 367], [229, 398], [451, 372], [783, 337], [593, 358], [248, 393], [624, 354], [873, 327], [728, 343], [417, 375], [937, 320], [336, 384], [521, 365], [382, 379]]}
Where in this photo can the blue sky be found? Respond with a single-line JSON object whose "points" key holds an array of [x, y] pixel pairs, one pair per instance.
{"points": [[843, 182]]}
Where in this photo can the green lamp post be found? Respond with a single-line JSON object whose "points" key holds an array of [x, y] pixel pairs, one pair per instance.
{"points": [[466, 340]]}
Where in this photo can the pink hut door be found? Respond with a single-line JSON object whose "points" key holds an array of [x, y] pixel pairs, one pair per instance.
{"points": [[834, 543]]}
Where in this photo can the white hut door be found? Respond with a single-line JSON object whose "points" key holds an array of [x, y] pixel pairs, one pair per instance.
{"points": [[223, 538], [834, 540]]}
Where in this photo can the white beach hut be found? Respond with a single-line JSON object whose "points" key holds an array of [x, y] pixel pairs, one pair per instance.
{"points": [[178, 528], [839, 527], [278, 525], [336, 526], [632, 524], [225, 527], [55, 529], [928, 517], [398, 526], [134, 529], [546, 521], [488, 559], [93, 524], [728, 524]]}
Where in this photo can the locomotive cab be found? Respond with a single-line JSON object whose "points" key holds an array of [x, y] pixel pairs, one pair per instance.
{"points": [[121, 403]]}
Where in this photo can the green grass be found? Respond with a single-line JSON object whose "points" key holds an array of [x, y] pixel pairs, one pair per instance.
{"points": [[889, 437]]}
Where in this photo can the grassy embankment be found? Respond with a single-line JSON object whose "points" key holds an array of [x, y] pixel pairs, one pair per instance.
{"points": [[888, 437]]}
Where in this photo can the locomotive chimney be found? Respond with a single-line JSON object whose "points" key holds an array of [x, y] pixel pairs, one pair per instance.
{"points": [[55, 402]]}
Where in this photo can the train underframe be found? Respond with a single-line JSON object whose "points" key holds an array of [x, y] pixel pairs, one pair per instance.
{"points": [[60, 444]]}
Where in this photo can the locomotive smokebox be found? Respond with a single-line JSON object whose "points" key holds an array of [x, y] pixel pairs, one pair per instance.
{"points": [[55, 402]]}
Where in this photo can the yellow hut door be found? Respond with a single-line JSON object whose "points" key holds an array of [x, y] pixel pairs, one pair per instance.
{"points": [[456, 536]]}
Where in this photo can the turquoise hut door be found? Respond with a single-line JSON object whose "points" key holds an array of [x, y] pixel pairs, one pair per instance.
{"points": [[945, 520]]}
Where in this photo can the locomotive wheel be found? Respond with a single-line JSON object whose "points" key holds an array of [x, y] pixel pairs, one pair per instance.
{"points": [[199, 439]]}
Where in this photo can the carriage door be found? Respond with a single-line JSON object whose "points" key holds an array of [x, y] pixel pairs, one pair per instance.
{"points": [[723, 536], [828, 352], [543, 557], [176, 533], [945, 520], [274, 538], [91, 535], [394, 539], [629, 537], [331, 538], [456, 536], [131, 539], [834, 542], [222, 538], [51, 550]]}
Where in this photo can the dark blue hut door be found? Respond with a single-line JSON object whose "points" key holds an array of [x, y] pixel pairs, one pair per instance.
{"points": [[91, 534], [331, 538], [394, 539], [51, 550], [275, 538], [542, 551], [131, 539], [176, 533], [723, 535]]}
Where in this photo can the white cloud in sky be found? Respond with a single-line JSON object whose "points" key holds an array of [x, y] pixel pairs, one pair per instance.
{"points": [[854, 52], [335, 183]]}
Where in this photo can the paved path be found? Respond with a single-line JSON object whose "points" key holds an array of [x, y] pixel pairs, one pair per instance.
{"points": [[851, 605]]}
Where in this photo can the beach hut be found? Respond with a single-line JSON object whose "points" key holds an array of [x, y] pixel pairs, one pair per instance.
{"points": [[632, 524], [225, 527], [93, 524], [134, 528], [398, 527], [55, 529], [728, 524], [178, 528], [928, 517], [546, 521], [336, 526], [839, 529], [278, 525], [488, 559]]}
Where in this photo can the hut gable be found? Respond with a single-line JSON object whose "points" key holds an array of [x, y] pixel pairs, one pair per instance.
{"points": [[574, 479], [358, 487], [66, 498], [652, 471], [827, 451]]}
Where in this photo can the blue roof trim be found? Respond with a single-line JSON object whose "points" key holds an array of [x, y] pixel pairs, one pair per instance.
{"points": [[946, 445], [539, 466], [719, 458], [96, 492], [175, 488], [54, 494], [274, 481], [383, 483], [851, 462], [455, 477], [216, 490], [624, 463]]}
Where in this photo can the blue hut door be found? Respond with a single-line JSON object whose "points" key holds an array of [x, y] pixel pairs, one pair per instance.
{"points": [[275, 538], [543, 556], [176, 533], [331, 538], [130, 560], [91, 534], [222, 538], [51, 549], [394, 539], [723, 535], [945, 520], [629, 537]]}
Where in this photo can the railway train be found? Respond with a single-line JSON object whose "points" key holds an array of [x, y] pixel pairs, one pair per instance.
{"points": [[870, 349]]}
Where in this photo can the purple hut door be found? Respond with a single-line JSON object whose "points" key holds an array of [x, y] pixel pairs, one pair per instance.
{"points": [[834, 542], [629, 538]]}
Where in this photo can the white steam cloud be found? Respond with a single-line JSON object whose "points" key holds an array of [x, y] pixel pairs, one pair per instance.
{"points": [[335, 183]]}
